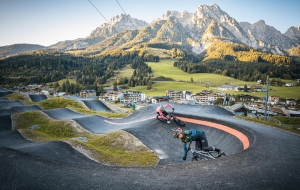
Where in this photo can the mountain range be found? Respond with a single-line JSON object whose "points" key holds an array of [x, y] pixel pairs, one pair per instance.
{"points": [[195, 32]]}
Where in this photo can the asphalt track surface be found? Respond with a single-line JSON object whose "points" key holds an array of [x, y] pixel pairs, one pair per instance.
{"points": [[37, 97], [259, 157], [92, 104]]}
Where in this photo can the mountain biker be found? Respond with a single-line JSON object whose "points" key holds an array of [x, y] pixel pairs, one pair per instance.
{"points": [[194, 135], [161, 110]]}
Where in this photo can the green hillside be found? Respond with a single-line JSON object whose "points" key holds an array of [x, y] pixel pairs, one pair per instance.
{"points": [[124, 72], [60, 82], [203, 81], [233, 51], [165, 68]]}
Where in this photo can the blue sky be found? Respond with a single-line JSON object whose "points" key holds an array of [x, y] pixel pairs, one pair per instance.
{"points": [[46, 22]]}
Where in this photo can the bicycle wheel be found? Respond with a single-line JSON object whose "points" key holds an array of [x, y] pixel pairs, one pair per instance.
{"points": [[161, 119], [206, 157], [211, 155], [200, 157], [223, 154], [195, 158], [178, 121]]}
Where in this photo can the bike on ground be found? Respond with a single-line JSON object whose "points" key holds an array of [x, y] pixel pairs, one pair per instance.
{"points": [[204, 154]]}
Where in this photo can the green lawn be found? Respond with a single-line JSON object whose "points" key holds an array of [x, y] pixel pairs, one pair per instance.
{"points": [[201, 80], [282, 92], [60, 82], [127, 71], [165, 68], [158, 52]]}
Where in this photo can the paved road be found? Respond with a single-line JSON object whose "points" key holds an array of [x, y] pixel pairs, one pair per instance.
{"points": [[272, 160]]}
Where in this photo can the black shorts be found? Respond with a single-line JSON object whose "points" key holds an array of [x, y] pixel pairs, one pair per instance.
{"points": [[202, 142], [164, 113]]}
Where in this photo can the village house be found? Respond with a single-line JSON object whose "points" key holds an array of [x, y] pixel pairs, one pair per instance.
{"points": [[278, 111], [291, 101], [273, 100], [247, 98], [187, 94], [110, 96], [174, 94], [132, 96], [238, 109], [227, 88], [258, 89], [87, 93], [45, 91], [241, 88], [157, 99], [208, 96], [36, 89]]}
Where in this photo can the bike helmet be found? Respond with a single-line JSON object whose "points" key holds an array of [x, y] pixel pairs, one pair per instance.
{"points": [[162, 108], [176, 132]]}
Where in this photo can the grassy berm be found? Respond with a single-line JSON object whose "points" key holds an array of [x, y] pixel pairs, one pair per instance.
{"points": [[290, 124], [116, 148]]}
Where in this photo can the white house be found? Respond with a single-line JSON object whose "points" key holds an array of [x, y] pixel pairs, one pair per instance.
{"points": [[133, 96], [227, 87]]}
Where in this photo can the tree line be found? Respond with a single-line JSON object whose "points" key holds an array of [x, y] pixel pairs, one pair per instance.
{"points": [[245, 71], [89, 72]]}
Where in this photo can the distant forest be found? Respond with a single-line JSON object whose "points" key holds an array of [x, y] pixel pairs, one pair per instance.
{"points": [[88, 72], [236, 61], [241, 70]]}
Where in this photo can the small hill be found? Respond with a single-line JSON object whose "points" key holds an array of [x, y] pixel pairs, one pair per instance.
{"points": [[294, 53], [18, 48], [238, 52]]}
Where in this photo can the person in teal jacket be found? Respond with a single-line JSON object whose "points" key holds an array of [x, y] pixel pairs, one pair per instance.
{"points": [[194, 135]]}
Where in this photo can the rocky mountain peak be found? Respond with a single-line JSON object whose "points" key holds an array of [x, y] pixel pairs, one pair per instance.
{"points": [[267, 34], [213, 11], [294, 34], [126, 18], [184, 18], [169, 14], [260, 22], [117, 24], [119, 18]]}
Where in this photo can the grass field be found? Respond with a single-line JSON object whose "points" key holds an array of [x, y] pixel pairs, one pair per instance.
{"points": [[201, 80], [158, 52], [60, 82], [127, 71], [165, 68]]}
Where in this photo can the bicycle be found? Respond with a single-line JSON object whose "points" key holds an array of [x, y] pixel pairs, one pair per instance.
{"points": [[172, 116], [204, 154]]}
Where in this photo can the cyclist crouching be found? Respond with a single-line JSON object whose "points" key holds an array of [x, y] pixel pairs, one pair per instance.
{"points": [[161, 110], [194, 135]]}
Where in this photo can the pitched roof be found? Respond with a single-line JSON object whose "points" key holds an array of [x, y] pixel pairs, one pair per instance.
{"points": [[236, 107]]}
